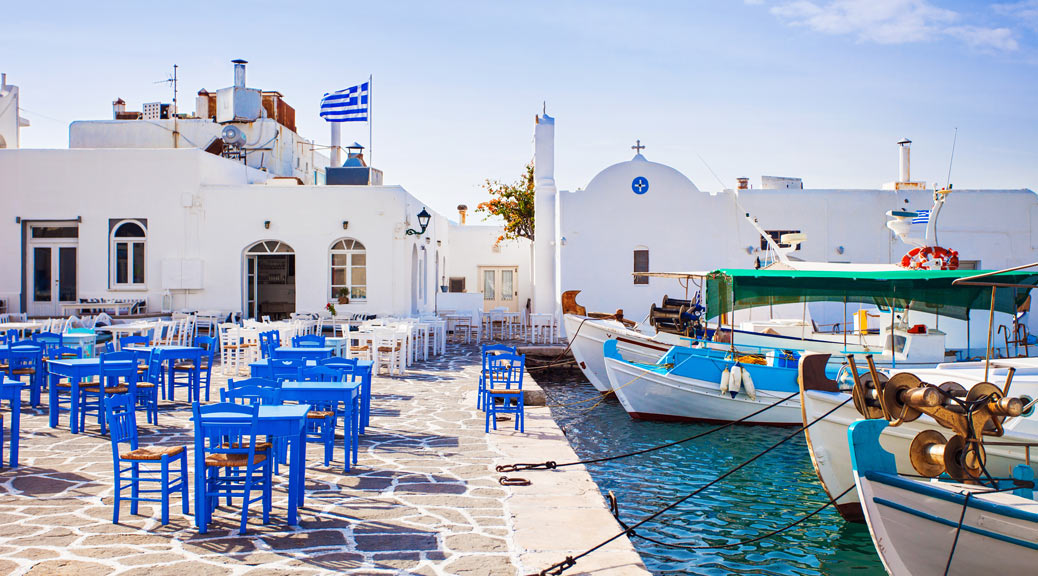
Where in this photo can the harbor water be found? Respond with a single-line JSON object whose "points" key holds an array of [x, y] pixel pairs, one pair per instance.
{"points": [[772, 492]]}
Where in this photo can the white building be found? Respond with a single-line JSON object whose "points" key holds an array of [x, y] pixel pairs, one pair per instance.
{"points": [[186, 212], [10, 121], [641, 215]]}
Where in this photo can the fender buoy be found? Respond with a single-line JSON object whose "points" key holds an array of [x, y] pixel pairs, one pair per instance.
{"points": [[747, 383], [736, 381], [725, 379]]}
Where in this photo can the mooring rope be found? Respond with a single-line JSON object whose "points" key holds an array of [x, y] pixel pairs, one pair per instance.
{"points": [[570, 561], [551, 465]]}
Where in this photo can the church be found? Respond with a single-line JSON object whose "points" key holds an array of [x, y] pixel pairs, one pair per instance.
{"points": [[638, 215]]}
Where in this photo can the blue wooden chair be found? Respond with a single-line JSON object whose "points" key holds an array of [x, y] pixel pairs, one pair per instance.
{"points": [[208, 345], [321, 374], [134, 341], [64, 386], [266, 382], [314, 340], [117, 374], [488, 351], [505, 383], [25, 358], [347, 366], [231, 463], [266, 342], [280, 369], [122, 425], [48, 339], [251, 394], [148, 384]]}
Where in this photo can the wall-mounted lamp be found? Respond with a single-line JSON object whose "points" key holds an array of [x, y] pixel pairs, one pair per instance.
{"points": [[839, 249], [345, 224], [439, 243], [423, 221], [266, 224], [79, 219], [17, 219]]}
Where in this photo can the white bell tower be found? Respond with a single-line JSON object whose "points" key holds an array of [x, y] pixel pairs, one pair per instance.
{"points": [[544, 297], [10, 122]]}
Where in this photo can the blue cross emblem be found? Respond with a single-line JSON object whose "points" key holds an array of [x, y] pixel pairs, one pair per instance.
{"points": [[640, 185]]}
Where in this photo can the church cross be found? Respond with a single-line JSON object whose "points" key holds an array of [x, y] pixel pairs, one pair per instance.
{"points": [[638, 147]]}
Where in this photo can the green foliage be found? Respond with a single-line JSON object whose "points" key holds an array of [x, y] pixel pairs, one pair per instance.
{"points": [[513, 203]]}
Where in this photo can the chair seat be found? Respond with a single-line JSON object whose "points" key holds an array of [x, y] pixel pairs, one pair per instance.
{"points": [[504, 391], [389, 348], [358, 348], [22, 371], [188, 366], [319, 414], [108, 390], [145, 384], [232, 460], [260, 446], [152, 453]]}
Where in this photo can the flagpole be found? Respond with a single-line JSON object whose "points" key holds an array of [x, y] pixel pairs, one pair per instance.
{"points": [[371, 153]]}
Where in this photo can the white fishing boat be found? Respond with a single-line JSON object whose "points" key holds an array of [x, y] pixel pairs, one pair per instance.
{"points": [[924, 527], [830, 454]]}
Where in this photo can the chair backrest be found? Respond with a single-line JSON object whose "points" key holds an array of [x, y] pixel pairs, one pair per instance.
{"points": [[498, 349], [321, 374], [233, 435], [208, 345], [280, 369], [251, 394], [102, 319], [61, 352], [122, 421], [117, 366], [266, 342], [505, 371], [48, 339], [308, 340], [253, 382], [134, 341], [24, 354]]}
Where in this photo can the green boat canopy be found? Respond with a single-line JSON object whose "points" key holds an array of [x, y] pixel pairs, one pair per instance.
{"points": [[924, 290]]}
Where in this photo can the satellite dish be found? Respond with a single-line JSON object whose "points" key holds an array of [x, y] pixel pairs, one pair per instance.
{"points": [[233, 135]]}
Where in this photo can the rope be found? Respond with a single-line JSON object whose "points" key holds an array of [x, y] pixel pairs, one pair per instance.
{"points": [[551, 465], [751, 540], [570, 561]]}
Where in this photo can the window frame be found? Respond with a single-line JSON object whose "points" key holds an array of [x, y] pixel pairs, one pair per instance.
{"points": [[350, 252], [134, 245], [640, 280]]}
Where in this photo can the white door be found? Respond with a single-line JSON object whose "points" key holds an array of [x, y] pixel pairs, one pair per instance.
{"points": [[52, 268], [499, 287]]}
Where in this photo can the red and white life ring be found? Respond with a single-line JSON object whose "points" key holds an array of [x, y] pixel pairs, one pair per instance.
{"points": [[930, 258]]}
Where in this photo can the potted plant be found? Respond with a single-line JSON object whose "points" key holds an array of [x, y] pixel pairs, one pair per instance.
{"points": [[344, 296], [330, 308]]}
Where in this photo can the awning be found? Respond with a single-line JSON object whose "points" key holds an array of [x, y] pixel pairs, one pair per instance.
{"points": [[924, 290]]}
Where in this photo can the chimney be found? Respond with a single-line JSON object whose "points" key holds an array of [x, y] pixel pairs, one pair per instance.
{"points": [[904, 168], [239, 72], [462, 209], [202, 104], [118, 107], [744, 183], [3, 80]]}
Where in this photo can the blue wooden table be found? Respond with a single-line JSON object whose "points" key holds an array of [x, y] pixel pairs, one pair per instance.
{"points": [[169, 355], [304, 352], [364, 371], [348, 393], [289, 422], [11, 390], [76, 370]]}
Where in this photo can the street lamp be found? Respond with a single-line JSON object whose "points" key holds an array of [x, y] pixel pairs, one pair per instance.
{"points": [[423, 221]]}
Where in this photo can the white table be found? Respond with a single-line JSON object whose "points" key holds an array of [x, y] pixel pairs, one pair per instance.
{"points": [[110, 307]]}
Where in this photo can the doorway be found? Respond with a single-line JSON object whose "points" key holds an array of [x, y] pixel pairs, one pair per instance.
{"points": [[498, 286], [270, 280], [51, 267]]}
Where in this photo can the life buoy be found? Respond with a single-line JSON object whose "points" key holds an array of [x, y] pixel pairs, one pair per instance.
{"points": [[930, 258]]}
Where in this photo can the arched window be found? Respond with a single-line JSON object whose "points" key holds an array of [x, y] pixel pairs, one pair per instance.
{"points": [[126, 247], [349, 271]]}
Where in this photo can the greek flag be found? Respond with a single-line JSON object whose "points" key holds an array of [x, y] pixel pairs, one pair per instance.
{"points": [[922, 218], [346, 105]]}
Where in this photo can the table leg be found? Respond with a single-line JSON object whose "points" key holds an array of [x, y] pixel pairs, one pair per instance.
{"points": [[365, 401], [73, 406], [296, 475], [201, 503], [16, 416], [52, 399], [355, 426]]}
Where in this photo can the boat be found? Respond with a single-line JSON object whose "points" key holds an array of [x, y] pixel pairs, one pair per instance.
{"points": [[826, 401], [706, 385], [972, 523]]}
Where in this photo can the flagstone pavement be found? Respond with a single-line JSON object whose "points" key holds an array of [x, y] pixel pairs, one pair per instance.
{"points": [[423, 499]]}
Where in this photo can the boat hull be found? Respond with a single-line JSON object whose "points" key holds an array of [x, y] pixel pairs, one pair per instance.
{"points": [[830, 452], [649, 394], [586, 336]]}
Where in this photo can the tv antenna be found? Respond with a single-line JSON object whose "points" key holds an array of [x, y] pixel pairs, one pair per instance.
{"points": [[172, 81]]}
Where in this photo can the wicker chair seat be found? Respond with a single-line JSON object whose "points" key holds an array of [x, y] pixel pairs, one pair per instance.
{"points": [[152, 452], [232, 460], [319, 414]]}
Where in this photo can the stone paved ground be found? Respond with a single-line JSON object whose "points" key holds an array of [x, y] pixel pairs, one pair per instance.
{"points": [[423, 499]]}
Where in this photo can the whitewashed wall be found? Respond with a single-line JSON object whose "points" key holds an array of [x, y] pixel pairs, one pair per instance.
{"points": [[472, 246]]}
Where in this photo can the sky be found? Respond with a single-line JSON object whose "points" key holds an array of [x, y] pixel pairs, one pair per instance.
{"points": [[719, 89]]}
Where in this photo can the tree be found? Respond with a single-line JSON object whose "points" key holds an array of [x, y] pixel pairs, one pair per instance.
{"points": [[513, 203]]}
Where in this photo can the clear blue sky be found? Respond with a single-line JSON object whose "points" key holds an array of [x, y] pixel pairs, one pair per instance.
{"points": [[820, 89]]}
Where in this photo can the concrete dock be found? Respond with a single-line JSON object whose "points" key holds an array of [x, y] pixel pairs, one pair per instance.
{"points": [[423, 499]]}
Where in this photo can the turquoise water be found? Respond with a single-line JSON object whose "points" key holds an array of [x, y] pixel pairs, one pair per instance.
{"points": [[772, 492]]}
